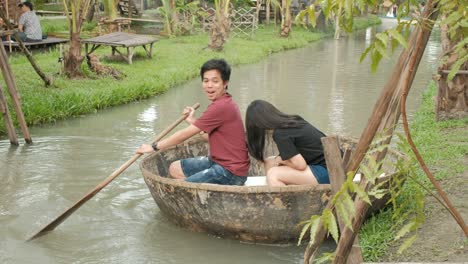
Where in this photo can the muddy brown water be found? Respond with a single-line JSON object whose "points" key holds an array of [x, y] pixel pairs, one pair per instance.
{"points": [[324, 82]]}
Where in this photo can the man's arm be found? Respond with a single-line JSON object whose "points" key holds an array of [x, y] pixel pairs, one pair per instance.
{"points": [[176, 138]]}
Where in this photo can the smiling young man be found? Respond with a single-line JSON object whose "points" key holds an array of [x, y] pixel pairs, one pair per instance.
{"points": [[221, 124]]}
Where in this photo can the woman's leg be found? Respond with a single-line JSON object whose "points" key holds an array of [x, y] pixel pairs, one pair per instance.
{"points": [[284, 175], [269, 163]]}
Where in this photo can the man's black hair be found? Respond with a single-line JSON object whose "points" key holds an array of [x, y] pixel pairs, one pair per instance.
{"points": [[217, 64]]}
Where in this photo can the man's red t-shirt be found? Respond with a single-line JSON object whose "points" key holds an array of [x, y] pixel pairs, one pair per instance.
{"points": [[223, 123]]}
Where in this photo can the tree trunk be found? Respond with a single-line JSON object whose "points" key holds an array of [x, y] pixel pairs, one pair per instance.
{"points": [[219, 31], [452, 96], [337, 24], [175, 17], [91, 11], [73, 58], [285, 19], [268, 9]]}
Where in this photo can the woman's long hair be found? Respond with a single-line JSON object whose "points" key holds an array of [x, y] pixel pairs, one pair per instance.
{"points": [[262, 116]]}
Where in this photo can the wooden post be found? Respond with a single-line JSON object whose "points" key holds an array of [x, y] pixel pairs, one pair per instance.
{"points": [[8, 17], [337, 179], [7, 118], [15, 97]]}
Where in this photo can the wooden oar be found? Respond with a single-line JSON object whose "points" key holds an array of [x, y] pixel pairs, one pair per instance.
{"points": [[52, 225]]}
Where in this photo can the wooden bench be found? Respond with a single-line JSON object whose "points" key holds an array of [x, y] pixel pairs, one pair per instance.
{"points": [[48, 42], [121, 40]]}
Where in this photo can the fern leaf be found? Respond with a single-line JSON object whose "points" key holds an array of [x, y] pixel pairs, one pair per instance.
{"points": [[379, 194], [408, 242], [361, 193], [349, 205], [396, 35], [315, 221], [452, 18], [325, 258], [456, 66], [311, 13], [364, 54], [379, 47], [303, 231], [383, 38], [405, 230], [329, 222], [343, 214]]}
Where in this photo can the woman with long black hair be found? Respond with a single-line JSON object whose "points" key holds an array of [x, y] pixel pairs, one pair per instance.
{"points": [[301, 159]]}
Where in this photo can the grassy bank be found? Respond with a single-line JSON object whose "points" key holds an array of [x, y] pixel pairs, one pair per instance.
{"points": [[175, 61], [443, 146]]}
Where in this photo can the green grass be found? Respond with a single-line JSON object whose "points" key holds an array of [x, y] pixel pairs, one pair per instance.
{"points": [[175, 61], [443, 146]]}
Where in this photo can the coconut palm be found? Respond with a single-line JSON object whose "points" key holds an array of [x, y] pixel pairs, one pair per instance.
{"points": [[286, 18], [76, 11], [219, 30]]}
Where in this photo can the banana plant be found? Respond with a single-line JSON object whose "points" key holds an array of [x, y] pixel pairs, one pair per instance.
{"points": [[166, 12], [219, 31], [286, 17], [309, 13], [76, 11]]}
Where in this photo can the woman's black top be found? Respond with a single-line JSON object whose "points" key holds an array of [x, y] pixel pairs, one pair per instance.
{"points": [[304, 140]]}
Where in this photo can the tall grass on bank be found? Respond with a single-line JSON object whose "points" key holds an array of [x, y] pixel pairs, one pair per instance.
{"points": [[431, 138], [175, 61]]}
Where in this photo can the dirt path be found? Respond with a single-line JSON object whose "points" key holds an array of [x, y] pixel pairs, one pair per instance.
{"points": [[440, 239]]}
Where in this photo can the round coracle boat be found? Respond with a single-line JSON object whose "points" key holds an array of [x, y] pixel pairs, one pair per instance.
{"points": [[258, 213]]}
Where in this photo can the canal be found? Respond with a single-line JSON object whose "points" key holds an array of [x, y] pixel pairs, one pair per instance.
{"points": [[324, 82]]}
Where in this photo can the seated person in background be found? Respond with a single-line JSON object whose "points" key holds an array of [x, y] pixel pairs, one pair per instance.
{"points": [[301, 159], [29, 28]]}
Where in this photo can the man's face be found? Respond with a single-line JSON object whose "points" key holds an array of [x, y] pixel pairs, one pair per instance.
{"points": [[213, 85]]}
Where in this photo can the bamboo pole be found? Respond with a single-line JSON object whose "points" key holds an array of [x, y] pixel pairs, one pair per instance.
{"points": [[7, 10], [7, 118], [15, 97], [337, 179]]}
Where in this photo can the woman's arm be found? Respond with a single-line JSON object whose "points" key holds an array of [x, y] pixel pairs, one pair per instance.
{"points": [[296, 162]]}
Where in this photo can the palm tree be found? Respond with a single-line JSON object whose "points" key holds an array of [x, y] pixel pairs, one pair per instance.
{"points": [[76, 11], [219, 31], [452, 98], [286, 20]]}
